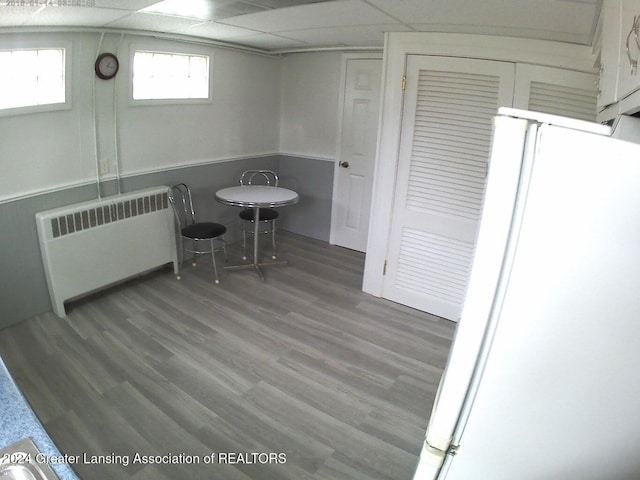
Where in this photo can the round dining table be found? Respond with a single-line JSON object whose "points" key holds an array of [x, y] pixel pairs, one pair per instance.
{"points": [[256, 197]]}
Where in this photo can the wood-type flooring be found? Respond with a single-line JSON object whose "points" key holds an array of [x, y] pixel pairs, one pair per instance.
{"points": [[300, 377]]}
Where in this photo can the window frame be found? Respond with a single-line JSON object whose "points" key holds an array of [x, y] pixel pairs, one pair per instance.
{"points": [[170, 49], [66, 48]]}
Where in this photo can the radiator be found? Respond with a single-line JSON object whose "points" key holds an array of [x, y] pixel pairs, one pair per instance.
{"points": [[90, 245]]}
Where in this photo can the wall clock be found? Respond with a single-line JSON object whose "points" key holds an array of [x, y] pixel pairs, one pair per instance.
{"points": [[107, 66]]}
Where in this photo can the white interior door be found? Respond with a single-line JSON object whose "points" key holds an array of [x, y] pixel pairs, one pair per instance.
{"points": [[353, 178], [444, 148]]}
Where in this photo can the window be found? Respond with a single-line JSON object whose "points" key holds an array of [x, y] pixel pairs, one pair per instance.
{"points": [[32, 77], [158, 75]]}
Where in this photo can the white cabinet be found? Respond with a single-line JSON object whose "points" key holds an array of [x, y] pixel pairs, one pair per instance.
{"points": [[610, 34], [628, 78], [619, 50]]}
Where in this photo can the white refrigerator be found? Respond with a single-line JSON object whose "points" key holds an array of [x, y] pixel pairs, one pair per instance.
{"points": [[543, 378]]}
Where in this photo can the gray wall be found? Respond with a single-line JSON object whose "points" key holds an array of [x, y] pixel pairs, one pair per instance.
{"points": [[23, 288], [314, 180]]}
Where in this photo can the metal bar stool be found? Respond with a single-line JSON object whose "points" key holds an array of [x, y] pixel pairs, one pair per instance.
{"points": [[201, 235], [268, 216]]}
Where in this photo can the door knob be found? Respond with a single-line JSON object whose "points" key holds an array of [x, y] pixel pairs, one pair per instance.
{"points": [[344, 164]]}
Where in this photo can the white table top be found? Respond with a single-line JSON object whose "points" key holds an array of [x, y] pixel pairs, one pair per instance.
{"points": [[257, 196]]}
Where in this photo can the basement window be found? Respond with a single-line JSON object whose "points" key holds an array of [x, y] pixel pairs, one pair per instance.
{"points": [[170, 76], [32, 80]]}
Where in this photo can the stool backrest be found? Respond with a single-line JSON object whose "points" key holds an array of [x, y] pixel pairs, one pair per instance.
{"points": [[182, 203], [259, 177]]}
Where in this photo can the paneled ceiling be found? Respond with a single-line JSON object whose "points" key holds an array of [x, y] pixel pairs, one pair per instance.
{"points": [[285, 25]]}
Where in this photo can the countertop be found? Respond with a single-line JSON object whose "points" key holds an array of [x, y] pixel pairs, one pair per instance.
{"points": [[17, 421]]}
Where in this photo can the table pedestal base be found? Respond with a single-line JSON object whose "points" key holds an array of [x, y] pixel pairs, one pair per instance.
{"points": [[256, 266], [256, 196]]}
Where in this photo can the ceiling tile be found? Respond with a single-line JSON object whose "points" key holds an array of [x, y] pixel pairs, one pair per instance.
{"points": [[284, 3], [269, 42], [153, 22], [74, 16], [516, 32], [346, 36], [233, 8], [198, 9], [217, 9], [329, 14], [215, 30], [301, 22], [15, 16], [132, 5], [552, 18]]}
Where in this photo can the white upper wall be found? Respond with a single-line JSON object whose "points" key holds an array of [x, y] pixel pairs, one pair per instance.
{"points": [[241, 121], [50, 150], [310, 95], [38, 150]]}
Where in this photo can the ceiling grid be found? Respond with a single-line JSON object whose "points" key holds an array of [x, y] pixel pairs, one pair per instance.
{"points": [[274, 26]]}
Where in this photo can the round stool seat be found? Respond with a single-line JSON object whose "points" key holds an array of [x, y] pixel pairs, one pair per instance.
{"points": [[266, 214], [204, 230]]}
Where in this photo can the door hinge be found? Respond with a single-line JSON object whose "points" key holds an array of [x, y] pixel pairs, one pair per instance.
{"points": [[384, 268], [404, 82]]}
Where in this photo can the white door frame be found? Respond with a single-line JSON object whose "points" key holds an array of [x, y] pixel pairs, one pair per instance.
{"points": [[336, 169]]}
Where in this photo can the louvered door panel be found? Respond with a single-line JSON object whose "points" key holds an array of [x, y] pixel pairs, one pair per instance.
{"points": [[563, 100], [556, 91], [434, 265], [451, 138], [446, 137]]}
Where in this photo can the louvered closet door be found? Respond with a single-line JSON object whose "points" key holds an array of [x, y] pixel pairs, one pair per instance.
{"points": [[444, 148], [559, 92]]}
